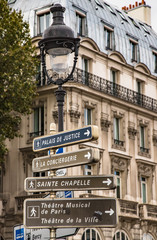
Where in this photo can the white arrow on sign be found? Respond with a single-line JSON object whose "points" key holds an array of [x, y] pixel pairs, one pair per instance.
{"points": [[88, 155], [110, 212], [87, 133], [108, 181]]}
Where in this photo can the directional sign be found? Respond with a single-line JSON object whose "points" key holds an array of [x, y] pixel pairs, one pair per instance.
{"points": [[52, 213], [66, 138], [57, 161], [43, 184]]}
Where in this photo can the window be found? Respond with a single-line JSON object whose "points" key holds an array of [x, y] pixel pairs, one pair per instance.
{"points": [[120, 235], [39, 174], [38, 122], [114, 79], [118, 183], [144, 28], [80, 24], [122, 15], [147, 236], [90, 234], [144, 189], [87, 170], [133, 45], [143, 136], [98, 3], [133, 21], [155, 62], [139, 86], [108, 37], [139, 90], [87, 116], [43, 21], [109, 8], [116, 129], [85, 70]]}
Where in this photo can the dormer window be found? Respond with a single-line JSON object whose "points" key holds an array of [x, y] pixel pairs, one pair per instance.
{"points": [[144, 28], [155, 61], [109, 8], [133, 21], [108, 37], [133, 46], [98, 3], [80, 21], [122, 15]]}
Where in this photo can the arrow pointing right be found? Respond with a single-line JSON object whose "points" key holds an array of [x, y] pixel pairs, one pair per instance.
{"points": [[88, 155], [110, 212], [108, 182], [87, 133]]}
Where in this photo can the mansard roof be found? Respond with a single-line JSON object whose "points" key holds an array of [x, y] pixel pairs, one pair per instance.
{"points": [[99, 15]]}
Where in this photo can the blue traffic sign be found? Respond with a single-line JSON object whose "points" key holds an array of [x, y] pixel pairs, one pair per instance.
{"points": [[66, 138]]}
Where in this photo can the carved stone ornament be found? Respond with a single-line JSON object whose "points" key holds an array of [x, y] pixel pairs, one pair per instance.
{"points": [[74, 115], [145, 169], [104, 122], [132, 132], [119, 161], [74, 112]]}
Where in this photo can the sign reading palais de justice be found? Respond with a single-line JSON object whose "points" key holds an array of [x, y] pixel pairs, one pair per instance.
{"points": [[57, 161], [66, 138], [40, 184], [52, 213]]}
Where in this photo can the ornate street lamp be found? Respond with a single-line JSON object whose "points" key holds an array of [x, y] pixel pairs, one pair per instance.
{"points": [[58, 42]]}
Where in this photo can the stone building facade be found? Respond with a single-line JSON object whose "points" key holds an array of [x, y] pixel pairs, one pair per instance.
{"points": [[115, 88]]}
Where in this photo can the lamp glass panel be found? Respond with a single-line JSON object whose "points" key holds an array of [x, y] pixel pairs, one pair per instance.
{"points": [[59, 64]]}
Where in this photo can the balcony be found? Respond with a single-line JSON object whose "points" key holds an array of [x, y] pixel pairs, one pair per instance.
{"points": [[127, 209], [148, 212], [20, 200], [107, 87], [118, 142]]}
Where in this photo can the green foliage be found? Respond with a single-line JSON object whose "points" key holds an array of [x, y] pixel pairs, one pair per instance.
{"points": [[18, 67]]}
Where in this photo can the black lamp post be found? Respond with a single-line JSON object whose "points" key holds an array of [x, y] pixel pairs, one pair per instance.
{"points": [[58, 42]]}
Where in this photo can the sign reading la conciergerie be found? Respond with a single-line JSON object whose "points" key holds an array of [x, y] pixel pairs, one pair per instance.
{"points": [[46, 213]]}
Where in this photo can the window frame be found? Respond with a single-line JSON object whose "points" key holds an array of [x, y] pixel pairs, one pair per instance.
{"points": [[41, 121], [143, 182], [84, 235], [120, 235], [134, 50], [155, 61], [108, 35], [87, 116], [110, 8], [80, 18], [117, 173], [43, 13]]}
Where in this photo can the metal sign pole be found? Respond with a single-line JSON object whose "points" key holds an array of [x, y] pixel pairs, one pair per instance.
{"points": [[52, 173]]}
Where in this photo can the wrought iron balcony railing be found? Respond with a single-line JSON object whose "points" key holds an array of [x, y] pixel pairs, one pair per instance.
{"points": [[110, 88], [118, 142]]}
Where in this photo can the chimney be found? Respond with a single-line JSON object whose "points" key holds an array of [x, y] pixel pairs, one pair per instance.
{"points": [[140, 11]]}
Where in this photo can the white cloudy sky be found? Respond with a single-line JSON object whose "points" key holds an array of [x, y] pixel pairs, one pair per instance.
{"points": [[152, 3]]}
